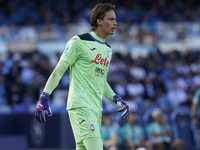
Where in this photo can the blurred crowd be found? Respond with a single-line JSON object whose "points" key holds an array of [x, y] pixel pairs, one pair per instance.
{"points": [[164, 80], [167, 80], [62, 12]]}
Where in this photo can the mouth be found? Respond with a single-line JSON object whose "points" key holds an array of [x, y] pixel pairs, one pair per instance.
{"points": [[113, 29]]}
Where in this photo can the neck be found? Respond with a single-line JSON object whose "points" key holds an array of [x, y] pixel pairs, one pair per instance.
{"points": [[100, 34], [158, 122]]}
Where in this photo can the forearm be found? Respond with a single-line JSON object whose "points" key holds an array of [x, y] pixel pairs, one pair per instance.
{"points": [[167, 132], [108, 92], [129, 142], [154, 134], [55, 76], [112, 141], [193, 109]]}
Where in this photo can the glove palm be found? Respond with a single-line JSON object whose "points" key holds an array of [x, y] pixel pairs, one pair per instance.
{"points": [[42, 107], [123, 107]]}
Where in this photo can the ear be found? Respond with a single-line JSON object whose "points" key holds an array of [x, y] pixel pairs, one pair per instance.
{"points": [[99, 22]]}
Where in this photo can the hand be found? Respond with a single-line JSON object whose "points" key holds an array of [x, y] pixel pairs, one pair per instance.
{"points": [[42, 107], [194, 121], [162, 121], [122, 106]]}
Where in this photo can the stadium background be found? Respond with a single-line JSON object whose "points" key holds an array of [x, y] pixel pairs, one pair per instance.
{"points": [[155, 61]]}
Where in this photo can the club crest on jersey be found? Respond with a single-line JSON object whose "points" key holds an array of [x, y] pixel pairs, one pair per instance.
{"points": [[107, 53], [92, 128], [66, 49]]}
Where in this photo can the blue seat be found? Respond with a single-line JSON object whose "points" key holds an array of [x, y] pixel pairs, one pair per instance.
{"points": [[183, 128]]}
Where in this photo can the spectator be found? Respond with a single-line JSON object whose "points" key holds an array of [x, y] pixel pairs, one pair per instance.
{"points": [[184, 81], [135, 89], [32, 89], [2, 89], [176, 95], [108, 133], [160, 133], [162, 100], [159, 83], [195, 110], [120, 87], [14, 73], [182, 67], [162, 68], [140, 11], [8, 63], [28, 72], [133, 134], [137, 71], [15, 93], [149, 89]]}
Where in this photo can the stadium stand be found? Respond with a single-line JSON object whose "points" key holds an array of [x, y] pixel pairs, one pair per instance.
{"points": [[155, 62], [183, 128]]}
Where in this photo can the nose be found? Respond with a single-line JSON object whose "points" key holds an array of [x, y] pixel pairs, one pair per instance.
{"points": [[115, 22]]}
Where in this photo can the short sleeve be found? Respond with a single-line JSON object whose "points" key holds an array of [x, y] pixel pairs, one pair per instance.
{"points": [[123, 132], [112, 131], [168, 127], [141, 132], [196, 94], [72, 50], [195, 98], [150, 128]]}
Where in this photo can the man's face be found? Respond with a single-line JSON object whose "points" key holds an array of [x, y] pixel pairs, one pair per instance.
{"points": [[159, 118], [108, 25], [132, 119], [106, 120]]}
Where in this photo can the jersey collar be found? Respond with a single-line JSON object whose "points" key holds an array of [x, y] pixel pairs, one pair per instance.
{"points": [[96, 38]]}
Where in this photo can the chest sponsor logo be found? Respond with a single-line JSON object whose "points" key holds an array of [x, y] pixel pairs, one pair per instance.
{"points": [[99, 72], [99, 60]]}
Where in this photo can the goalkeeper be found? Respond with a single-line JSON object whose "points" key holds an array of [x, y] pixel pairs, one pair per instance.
{"points": [[88, 56]]}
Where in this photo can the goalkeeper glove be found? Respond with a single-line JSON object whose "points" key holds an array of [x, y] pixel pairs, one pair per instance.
{"points": [[42, 107], [123, 107]]}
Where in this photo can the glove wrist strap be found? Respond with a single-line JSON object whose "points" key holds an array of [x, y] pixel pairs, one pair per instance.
{"points": [[44, 96], [115, 98]]}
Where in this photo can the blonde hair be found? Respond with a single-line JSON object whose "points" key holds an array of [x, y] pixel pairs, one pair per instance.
{"points": [[156, 112]]}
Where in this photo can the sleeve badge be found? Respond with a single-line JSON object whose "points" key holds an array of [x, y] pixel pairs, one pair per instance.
{"points": [[66, 50]]}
